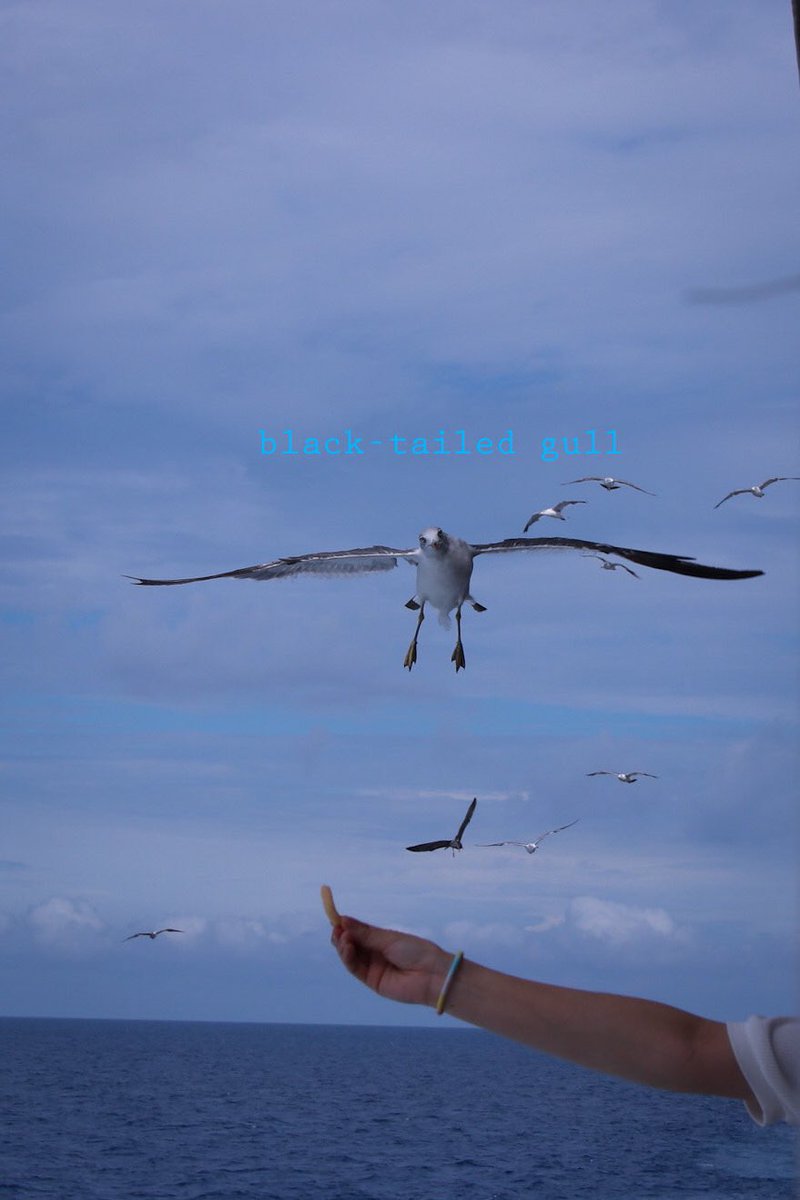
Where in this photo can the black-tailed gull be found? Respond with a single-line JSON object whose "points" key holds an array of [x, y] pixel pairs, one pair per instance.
{"points": [[444, 570], [449, 843]]}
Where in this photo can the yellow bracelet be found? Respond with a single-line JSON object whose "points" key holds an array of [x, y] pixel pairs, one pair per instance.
{"points": [[448, 980]]}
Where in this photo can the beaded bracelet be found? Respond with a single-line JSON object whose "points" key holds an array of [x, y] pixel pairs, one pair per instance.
{"points": [[448, 980]]}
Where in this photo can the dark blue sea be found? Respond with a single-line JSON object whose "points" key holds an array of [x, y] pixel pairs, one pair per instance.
{"points": [[118, 1110]]}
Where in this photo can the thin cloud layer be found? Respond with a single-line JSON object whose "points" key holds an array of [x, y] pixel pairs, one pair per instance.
{"points": [[366, 223]]}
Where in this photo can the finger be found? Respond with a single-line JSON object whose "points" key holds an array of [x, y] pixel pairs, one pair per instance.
{"points": [[327, 903]]}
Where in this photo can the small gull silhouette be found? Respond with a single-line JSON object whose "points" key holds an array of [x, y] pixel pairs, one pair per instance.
{"points": [[151, 933], [554, 511], [444, 570], [624, 776], [608, 565], [533, 846], [449, 843], [609, 483], [757, 489]]}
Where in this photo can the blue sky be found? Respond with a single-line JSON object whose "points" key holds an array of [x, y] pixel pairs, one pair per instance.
{"points": [[395, 221]]}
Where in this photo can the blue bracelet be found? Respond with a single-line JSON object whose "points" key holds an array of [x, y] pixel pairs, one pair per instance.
{"points": [[448, 980]]}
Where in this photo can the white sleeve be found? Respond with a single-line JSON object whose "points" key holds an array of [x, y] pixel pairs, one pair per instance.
{"points": [[767, 1050]]}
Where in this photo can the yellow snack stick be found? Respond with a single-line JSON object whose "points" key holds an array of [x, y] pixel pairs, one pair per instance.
{"points": [[327, 903]]}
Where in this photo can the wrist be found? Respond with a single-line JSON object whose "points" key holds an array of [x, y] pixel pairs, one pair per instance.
{"points": [[437, 975]]}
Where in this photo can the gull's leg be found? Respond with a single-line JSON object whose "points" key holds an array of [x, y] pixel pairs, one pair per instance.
{"points": [[411, 652], [476, 606], [412, 604], [458, 654]]}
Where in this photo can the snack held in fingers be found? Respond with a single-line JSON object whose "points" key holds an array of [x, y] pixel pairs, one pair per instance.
{"points": [[329, 906]]}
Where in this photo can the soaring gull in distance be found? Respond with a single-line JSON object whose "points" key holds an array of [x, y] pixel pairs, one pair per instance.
{"points": [[608, 565], [444, 570], [609, 483], [555, 511], [757, 489], [533, 846], [449, 843], [151, 933], [624, 776]]}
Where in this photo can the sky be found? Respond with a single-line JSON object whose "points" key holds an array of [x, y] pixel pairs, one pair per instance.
{"points": [[526, 231]]}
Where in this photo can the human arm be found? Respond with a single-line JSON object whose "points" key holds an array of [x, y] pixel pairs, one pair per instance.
{"points": [[639, 1040]]}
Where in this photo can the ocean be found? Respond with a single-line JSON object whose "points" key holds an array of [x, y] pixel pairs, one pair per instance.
{"points": [[161, 1110]]}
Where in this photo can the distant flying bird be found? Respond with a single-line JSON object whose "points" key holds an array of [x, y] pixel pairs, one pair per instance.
{"points": [[533, 846], [444, 570], [452, 843], [757, 489], [608, 565], [151, 933], [609, 483], [555, 511], [624, 776]]}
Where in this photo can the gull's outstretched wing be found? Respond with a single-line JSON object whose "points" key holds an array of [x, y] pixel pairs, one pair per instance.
{"points": [[777, 479], [542, 836], [500, 843], [328, 562], [601, 773], [737, 492], [466, 820], [645, 773], [679, 564], [441, 845], [168, 930], [635, 486], [131, 936]]}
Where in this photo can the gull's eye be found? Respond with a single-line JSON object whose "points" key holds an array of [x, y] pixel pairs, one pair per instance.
{"points": [[440, 533]]}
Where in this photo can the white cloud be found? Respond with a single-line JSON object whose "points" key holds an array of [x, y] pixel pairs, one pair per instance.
{"points": [[546, 924], [65, 923], [496, 933], [617, 924]]}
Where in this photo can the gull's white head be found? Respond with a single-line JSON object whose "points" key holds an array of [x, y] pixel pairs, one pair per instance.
{"points": [[433, 540]]}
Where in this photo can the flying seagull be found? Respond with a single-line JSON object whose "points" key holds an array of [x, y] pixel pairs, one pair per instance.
{"points": [[533, 846], [757, 489], [449, 844], [151, 933], [444, 570], [609, 483], [555, 511], [624, 776], [608, 565]]}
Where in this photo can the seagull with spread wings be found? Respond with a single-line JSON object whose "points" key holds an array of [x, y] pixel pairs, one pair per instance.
{"points": [[449, 843], [624, 776], [555, 511], [151, 933], [533, 846], [444, 571], [757, 489], [608, 565], [609, 483]]}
